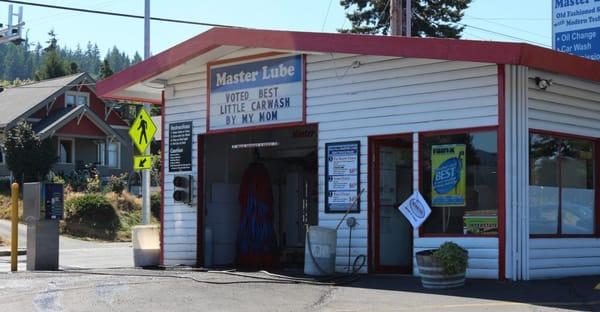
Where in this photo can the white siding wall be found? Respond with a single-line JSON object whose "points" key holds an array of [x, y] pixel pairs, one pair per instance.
{"points": [[376, 96], [185, 98], [516, 173], [571, 106], [379, 96]]}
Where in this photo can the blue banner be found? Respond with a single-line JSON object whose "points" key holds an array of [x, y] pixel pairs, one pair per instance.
{"points": [[584, 42], [256, 74]]}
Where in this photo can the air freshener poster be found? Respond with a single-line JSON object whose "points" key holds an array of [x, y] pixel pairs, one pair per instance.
{"points": [[448, 175]]}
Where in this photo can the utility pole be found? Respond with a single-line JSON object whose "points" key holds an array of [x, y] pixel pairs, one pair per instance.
{"points": [[408, 18], [396, 17], [12, 33], [146, 173]]}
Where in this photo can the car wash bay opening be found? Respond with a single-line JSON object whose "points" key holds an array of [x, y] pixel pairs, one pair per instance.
{"points": [[261, 193]]}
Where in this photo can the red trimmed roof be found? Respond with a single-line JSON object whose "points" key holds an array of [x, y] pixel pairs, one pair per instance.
{"points": [[432, 48]]}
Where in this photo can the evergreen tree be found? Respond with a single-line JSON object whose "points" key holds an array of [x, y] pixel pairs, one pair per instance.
{"points": [[105, 69], [27, 156], [73, 68], [34, 61], [53, 65], [431, 18], [136, 58]]}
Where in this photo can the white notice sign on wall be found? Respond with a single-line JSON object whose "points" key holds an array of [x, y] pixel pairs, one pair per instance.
{"points": [[415, 209]]}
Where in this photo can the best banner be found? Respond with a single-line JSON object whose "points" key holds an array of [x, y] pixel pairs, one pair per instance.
{"points": [[448, 175]]}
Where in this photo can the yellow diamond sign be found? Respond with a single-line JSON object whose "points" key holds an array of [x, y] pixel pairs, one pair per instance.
{"points": [[142, 162], [142, 131]]}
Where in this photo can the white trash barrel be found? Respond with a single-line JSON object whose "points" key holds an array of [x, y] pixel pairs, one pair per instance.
{"points": [[322, 241], [146, 245], [208, 247]]}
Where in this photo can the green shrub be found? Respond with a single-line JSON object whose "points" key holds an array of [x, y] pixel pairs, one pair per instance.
{"points": [[117, 184], [78, 183], [27, 155], [155, 205], [93, 184], [91, 215], [52, 177], [452, 257], [5, 186]]}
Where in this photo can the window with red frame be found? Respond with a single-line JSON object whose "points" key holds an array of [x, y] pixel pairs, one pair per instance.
{"points": [[477, 215], [561, 185]]}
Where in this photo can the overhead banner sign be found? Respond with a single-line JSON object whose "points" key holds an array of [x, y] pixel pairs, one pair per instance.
{"points": [[448, 175], [576, 27], [180, 146], [415, 209], [258, 93], [342, 174]]}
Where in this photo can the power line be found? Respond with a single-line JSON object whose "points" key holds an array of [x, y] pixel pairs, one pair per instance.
{"points": [[508, 26], [483, 29], [516, 18], [58, 7], [326, 15], [502, 34]]}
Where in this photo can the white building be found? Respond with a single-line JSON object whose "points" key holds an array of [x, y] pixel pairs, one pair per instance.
{"points": [[527, 120]]}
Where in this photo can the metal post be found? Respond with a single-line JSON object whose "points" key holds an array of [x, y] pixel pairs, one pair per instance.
{"points": [[10, 16], [395, 18], [408, 18], [14, 240], [146, 173], [20, 20]]}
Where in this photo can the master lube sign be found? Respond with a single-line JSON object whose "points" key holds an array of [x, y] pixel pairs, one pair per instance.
{"points": [[576, 27], [256, 93]]}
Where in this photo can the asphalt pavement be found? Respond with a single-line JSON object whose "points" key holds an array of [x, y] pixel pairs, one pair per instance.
{"points": [[73, 253], [186, 290]]}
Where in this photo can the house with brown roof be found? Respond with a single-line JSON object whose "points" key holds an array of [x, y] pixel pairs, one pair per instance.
{"points": [[84, 129]]}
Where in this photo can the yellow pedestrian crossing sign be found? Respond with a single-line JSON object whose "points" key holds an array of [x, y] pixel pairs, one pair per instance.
{"points": [[142, 162], [142, 131]]}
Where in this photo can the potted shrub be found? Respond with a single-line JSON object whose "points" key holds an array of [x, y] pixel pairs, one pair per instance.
{"points": [[444, 267]]}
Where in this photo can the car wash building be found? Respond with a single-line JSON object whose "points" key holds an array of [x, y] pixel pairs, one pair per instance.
{"points": [[279, 130]]}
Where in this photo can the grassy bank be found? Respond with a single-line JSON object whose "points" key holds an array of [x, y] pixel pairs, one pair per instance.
{"points": [[5, 206], [91, 217]]}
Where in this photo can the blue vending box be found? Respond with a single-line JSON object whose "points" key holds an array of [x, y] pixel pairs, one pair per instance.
{"points": [[54, 201]]}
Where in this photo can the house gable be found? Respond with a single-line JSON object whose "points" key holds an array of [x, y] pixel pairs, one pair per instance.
{"points": [[81, 127], [96, 104]]}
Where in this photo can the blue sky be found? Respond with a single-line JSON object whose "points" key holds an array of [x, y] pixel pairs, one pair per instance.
{"points": [[527, 20]]}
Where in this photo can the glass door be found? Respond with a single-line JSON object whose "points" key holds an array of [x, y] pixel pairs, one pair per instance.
{"points": [[392, 185]]}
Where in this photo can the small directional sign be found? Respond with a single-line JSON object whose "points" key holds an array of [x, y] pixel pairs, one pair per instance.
{"points": [[142, 131], [142, 162]]}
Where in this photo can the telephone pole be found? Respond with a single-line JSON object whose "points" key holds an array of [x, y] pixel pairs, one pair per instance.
{"points": [[408, 18], [396, 17], [12, 33]]}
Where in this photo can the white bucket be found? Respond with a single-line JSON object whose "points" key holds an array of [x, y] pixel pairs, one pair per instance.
{"points": [[208, 247], [146, 245], [322, 242]]}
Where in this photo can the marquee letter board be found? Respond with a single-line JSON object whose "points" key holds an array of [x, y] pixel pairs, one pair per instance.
{"points": [[342, 176]]}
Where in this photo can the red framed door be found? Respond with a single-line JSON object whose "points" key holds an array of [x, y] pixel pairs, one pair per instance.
{"points": [[391, 182]]}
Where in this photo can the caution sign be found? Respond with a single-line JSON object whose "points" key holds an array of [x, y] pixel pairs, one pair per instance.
{"points": [[142, 162], [142, 131]]}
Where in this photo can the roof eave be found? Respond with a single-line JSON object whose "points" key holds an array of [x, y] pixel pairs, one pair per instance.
{"points": [[431, 48]]}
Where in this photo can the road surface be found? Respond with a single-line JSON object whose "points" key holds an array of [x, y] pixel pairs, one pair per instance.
{"points": [[143, 290], [74, 253]]}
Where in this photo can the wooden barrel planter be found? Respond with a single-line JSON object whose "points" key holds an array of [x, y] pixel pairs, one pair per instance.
{"points": [[432, 275]]}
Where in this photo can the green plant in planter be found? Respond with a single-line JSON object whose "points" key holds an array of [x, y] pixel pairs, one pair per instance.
{"points": [[452, 258]]}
